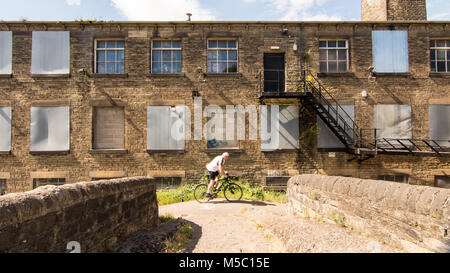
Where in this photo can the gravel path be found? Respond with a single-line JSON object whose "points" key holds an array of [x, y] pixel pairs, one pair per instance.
{"points": [[261, 227]]}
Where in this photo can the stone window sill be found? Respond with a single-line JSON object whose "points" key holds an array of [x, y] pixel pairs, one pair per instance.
{"points": [[164, 75], [280, 150], [440, 74], [108, 151], [232, 150], [165, 151], [97, 75], [237, 74], [384, 74], [343, 74], [326, 150], [49, 152], [50, 75]]}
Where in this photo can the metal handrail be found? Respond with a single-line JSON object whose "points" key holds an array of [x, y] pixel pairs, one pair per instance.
{"points": [[334, 109]]}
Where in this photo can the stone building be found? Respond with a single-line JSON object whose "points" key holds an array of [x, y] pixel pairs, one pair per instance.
{"points": [[82, 101]]}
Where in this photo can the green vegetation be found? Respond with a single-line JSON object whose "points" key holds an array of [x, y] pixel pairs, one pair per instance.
{"points": [[166, 218], [186, 193], [179, 240], [182, 194], [338, 219]]}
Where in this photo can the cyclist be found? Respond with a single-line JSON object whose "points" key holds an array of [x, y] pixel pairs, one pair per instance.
{"points": [[215, 169]]}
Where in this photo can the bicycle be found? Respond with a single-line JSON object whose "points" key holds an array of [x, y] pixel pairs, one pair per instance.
{"points": [[232, 191]]}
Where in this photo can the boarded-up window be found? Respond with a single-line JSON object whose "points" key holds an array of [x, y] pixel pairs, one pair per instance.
{"points": [[5, 128], [164, 183], [104, 178], [221, 129], [279, 127], [277, 180], [109, 128], [2, 186], [50, 129], [39, 182], [393, 122], [166, 128], [326, 138], [442, 181], [394, 178], [390, 51], [50, 52], [440, 124], [5, 52]]}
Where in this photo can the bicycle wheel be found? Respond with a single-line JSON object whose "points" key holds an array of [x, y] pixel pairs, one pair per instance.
{"points": [[233, 192], [200, 193]]}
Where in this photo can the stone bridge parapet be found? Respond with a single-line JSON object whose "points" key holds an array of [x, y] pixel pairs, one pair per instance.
{"points": [[93, 215], [412, 218]]}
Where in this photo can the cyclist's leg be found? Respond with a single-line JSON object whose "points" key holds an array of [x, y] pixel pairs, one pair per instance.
{"points": [[213, 179]]}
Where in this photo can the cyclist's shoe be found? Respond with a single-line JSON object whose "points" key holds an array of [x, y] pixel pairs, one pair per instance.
{"points": [[208, 195]]}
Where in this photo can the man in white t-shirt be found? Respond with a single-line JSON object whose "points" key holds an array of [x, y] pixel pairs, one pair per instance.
{"points": [[215, 169]]}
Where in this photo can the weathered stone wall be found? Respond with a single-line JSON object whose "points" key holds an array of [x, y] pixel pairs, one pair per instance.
{"points": [[138, 89], [393, 10], [414, 218], [374, 10], [404, 10], [95, 214]]}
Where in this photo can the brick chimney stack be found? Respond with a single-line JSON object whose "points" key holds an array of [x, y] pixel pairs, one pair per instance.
{"points": [[394, 10]]}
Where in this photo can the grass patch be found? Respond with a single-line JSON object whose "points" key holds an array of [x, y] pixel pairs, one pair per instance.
{"points": [[166, 218], [338, 219], [185, 193], [179, 240]]}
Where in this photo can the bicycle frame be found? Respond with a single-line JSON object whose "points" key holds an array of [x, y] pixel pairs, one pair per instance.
{"points": [[222, 182]]}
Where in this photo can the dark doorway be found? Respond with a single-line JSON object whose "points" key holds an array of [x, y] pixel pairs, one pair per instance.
{"points": [[273, 72]]}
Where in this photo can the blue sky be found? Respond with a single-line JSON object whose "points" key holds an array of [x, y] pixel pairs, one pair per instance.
{"points": [[166, 10]]}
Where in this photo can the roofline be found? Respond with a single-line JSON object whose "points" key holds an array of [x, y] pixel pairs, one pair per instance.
{"points": [[223, 22]]}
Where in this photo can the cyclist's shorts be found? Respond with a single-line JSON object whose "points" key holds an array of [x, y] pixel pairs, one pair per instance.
{"points": [[213, 175]]}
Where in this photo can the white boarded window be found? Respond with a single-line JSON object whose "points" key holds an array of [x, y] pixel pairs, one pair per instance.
{"points": [[5, 52], [5, 129], [279, 127], [166, 128], [393, 122], [440, 124], [50, 129], [390, 51], [326, 138], [221, 128], [109, 128], [50, 52]]}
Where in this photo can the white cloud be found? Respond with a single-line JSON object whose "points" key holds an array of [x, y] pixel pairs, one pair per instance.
{"points": [[165, 10], [73, 2], [319, 17], [296, 10]]}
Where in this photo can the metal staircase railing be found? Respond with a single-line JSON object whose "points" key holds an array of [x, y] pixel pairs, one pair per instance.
{"points": [[333, 114], [355, 138]]}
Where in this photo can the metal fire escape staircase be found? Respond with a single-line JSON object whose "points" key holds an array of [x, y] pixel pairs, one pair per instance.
{"points": [[358, 141]]}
